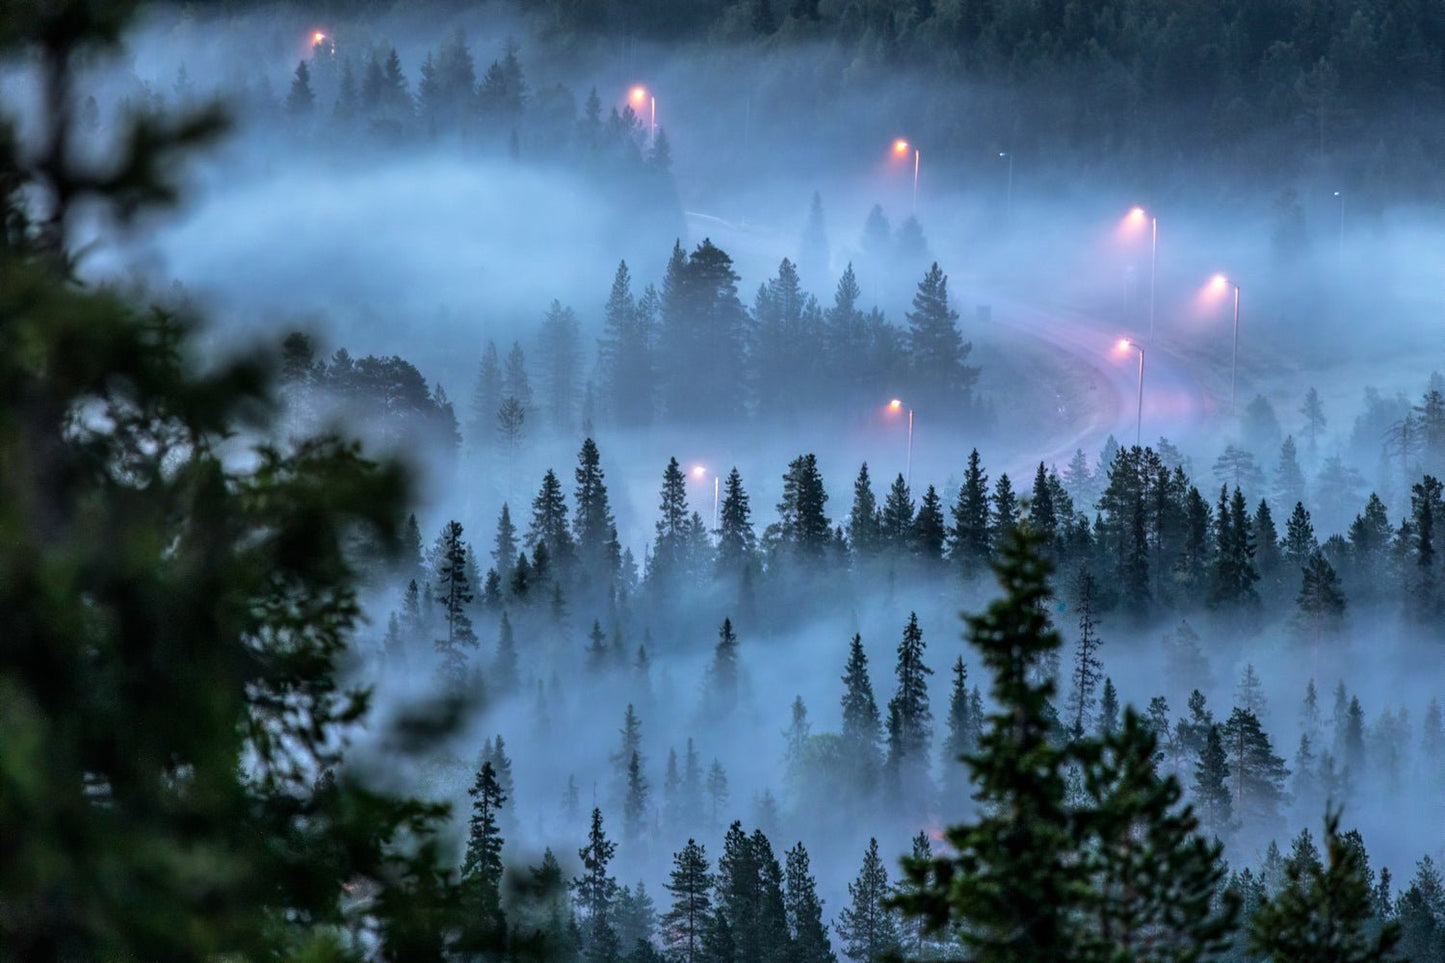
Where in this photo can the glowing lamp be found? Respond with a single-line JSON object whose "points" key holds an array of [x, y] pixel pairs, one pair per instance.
{"points": [[1219, 282], [317, 38], [900, 146], [895, 404], [1124, 344], [698, 471], [639, 94]]}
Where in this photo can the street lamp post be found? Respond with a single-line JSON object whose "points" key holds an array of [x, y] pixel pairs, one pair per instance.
{"points": [[1139, 413], [1008, 197], [1220, 281], [897, 405], [901, 147], [700, 471], [639, 95], [1341, 196], [1139, 213]]}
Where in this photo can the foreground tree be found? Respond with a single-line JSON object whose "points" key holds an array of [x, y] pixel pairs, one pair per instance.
{"points": [[1324, 912], [178, 594]]}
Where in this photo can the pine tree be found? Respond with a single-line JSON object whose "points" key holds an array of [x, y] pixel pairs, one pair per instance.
{"points": [[1004, 516], [723, 681], [795, 739], [596, 892], [936, 349], [717, 792], [505, 678], [549, 523], [910, 721], [1299, 538], [636, 917], [813, 247], [864, 535], [736, 540], [685, 924], [482, 866], [454, 593], [1289, 480], [1088, 670], [634, 804], [803, 527], [929, 532], [1108, 708], [1256, 774], [970, 538], [301, 101], [896, 520], [1322, 912], [1320, 604], [593, 527], [1042, 515], [1211, 789], [504, 553], [862, 730], [1315, 421], [867, 926], [810, 943], [669, 550], [1249, 693], [962, 740]]}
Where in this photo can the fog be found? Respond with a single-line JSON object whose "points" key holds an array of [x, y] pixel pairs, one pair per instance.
{"points": [[429, 245]]}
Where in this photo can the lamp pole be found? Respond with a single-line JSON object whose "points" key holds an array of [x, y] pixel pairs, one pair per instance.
{"points": [[1008, 196], [897, 405], [1153, 272], [1139, 412], [1341, 196]]}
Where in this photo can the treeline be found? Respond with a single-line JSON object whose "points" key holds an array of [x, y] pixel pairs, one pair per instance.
{"points": [[1079, 846], [1273, 88]]}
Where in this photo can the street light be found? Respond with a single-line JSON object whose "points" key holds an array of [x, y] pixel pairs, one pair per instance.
{"points": [[1124, 345], [1138, 215], [898, 405], [1341, 196], [1008, 197], [699, 471], [901, 147], [1219, 283], [640, 95]]}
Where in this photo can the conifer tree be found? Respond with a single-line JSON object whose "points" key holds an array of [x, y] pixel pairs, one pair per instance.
{"points": [[1299, 538], [1088, 670], [454, 593], [796, 741], [1211, 788], [486, 399], [1042, 515], [669, 550], [896, 520], [549, 523], [1289, 480], [596, 892], [1320, 604], [685, 924], [962, 740], [862, 729], [505, 678], [482, 866], [504, 552], [803, 527], [929, 532], [864, 534], [301, 100], [736, 540], [910, 721], [717, 792], [1256, 774], [593, 527], [1108, 708], [970, 538], [1315, 421], [724, 673], [867, 926], [937, 350], [810, 943], [560, 346], [1324, 912], [1004, 514]]}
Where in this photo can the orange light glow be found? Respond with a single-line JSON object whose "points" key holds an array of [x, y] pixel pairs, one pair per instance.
{"points": [[1219, 282], [895, 404], [639, 94], [318, 38], [1137, 214], [900, 146], [1124, 344], [698, 471]]}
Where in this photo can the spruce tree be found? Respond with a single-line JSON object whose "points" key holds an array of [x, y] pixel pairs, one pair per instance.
{"points": [[862, 729], [867, 926], [1087, 672], [504, 553], [635, 802], [1320, 605], [593, 527], [936, 349], [864, 534], [596, 893], [1108, 708], [1042, 515], [454, 593], [804, 530], [300, 101], [685, 924], [1004, 513], [669, 549], [962, 740], [482, 866], [1256, 774], [1211, 787], [895, 523], [486, 399], [723, 681], [505, 678], [736, 540], [910, 723], [970, 538], [810, 943], [549, 525], [929, 531], [560, 346]]}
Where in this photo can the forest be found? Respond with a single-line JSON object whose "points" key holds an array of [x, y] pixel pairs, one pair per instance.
{"points": [[605, 580]]}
